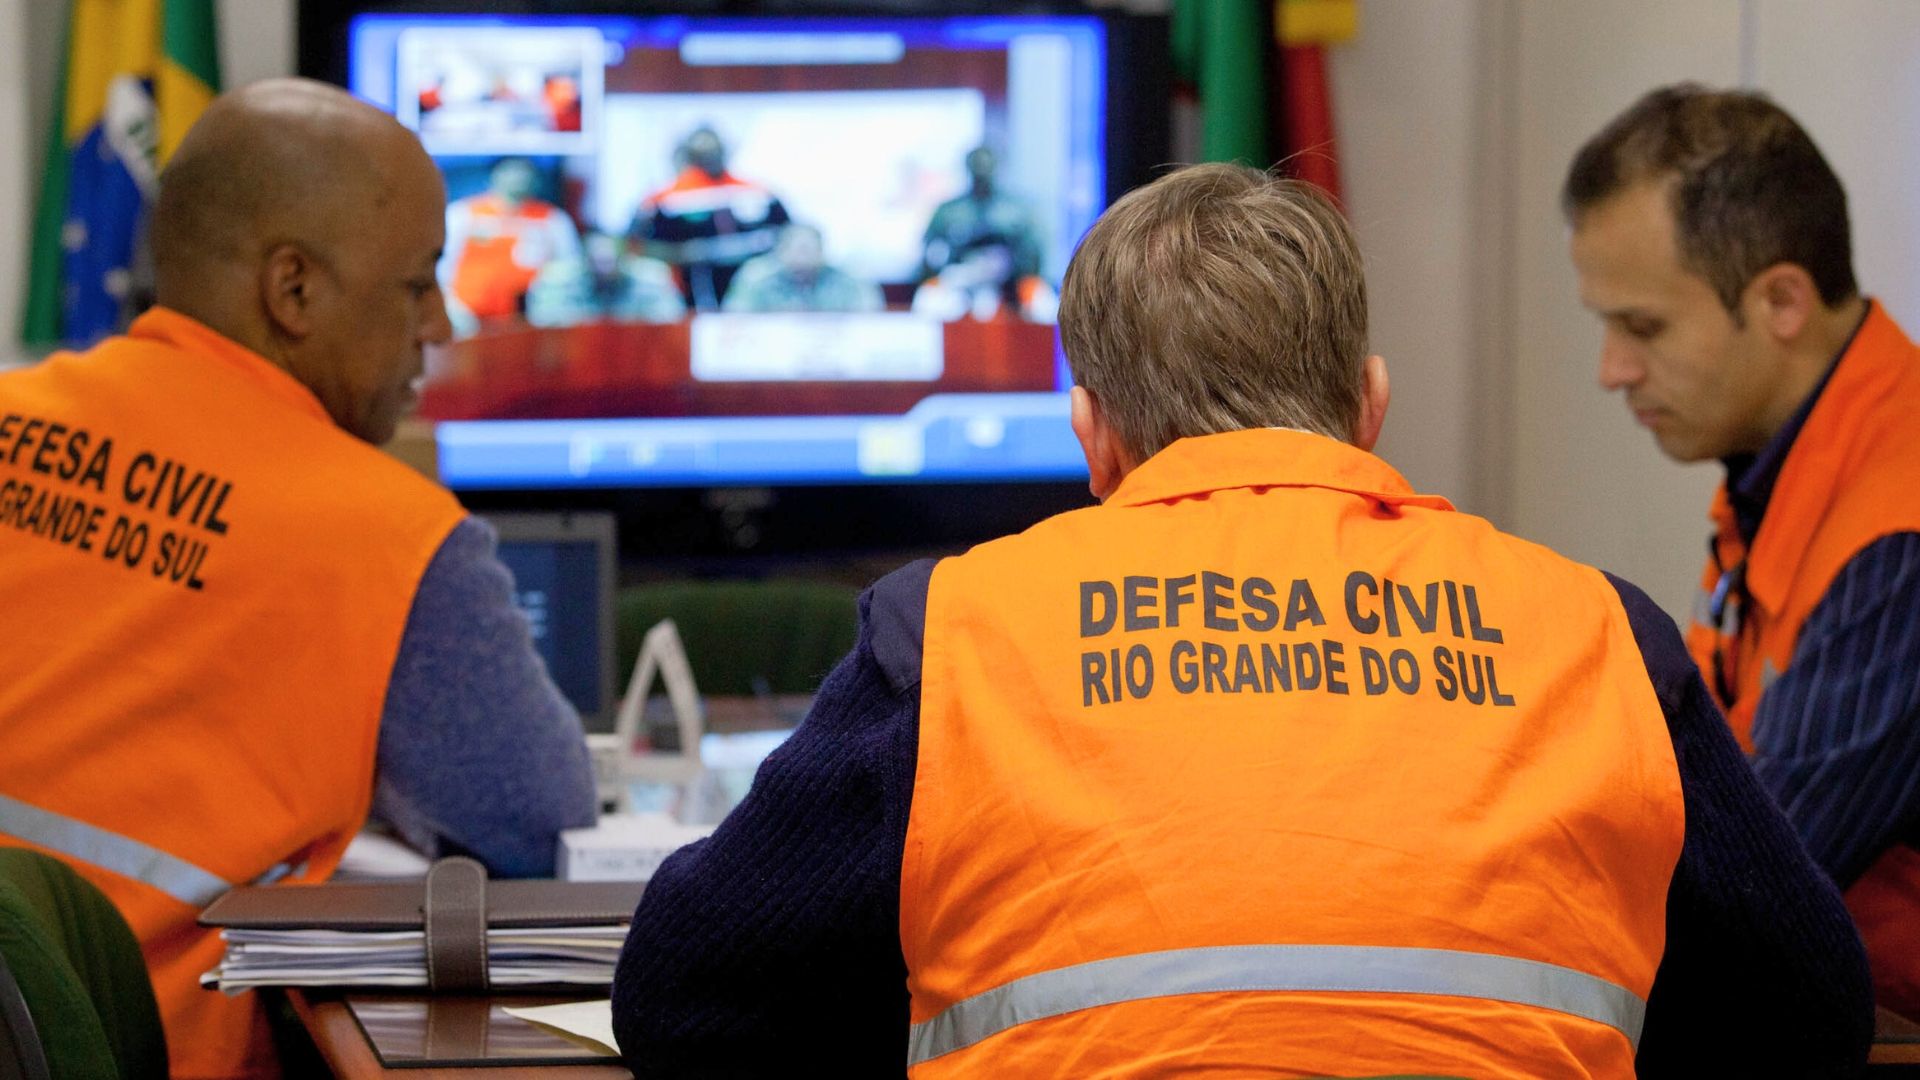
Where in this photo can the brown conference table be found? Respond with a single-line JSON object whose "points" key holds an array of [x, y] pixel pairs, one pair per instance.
{"points": [[450, 1026], [344, 1047], [345, 1050]]}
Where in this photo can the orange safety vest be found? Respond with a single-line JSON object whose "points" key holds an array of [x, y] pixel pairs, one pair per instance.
{"points": [[488, 277], [693, 191], [1848, 480], [1271, 765], [208, 581]]}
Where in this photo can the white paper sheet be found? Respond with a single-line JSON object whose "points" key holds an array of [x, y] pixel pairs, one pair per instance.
{"points": [[589, 1023]]}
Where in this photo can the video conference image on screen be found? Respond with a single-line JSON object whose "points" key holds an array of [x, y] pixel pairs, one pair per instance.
{"points": [[688, 249]]}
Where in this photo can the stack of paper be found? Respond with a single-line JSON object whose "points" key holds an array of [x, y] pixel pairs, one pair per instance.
{"points": [[572, 955]]}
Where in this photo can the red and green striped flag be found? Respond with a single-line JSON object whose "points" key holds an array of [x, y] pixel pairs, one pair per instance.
{"points": [[136, 75]]}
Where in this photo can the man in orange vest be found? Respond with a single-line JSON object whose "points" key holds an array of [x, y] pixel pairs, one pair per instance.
{"points": [[708, 222], [1711, 237], [239, 627], [499, 240], [1266, 766]]}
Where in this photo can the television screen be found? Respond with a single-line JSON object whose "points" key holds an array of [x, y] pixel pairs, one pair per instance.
{"points": [[705, 250]]}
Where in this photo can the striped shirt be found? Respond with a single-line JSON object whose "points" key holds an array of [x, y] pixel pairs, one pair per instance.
{"points": [[1836, 737]]}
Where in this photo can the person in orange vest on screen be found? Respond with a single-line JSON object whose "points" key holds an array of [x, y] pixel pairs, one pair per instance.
{"points": [[498, 241], [1268, 765], [251, 630], [1712, 239], [708, 222]]}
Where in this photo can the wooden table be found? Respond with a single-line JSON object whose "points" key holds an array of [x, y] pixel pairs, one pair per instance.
{"points": [[345, 1049], [1896, 1042]]}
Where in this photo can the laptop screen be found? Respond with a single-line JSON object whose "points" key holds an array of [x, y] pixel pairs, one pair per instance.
{"points": [[564, 580]]}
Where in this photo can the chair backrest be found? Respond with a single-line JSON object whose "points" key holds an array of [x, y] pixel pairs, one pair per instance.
{"points": [[742, 637], [21, 1057], [75, 999]]}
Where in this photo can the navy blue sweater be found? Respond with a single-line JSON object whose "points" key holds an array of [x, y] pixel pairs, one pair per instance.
{"points": [[772, 947]]}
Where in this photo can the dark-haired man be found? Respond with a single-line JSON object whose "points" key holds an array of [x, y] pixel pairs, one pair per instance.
{"points": [[1265, 766], [1711, 237]]}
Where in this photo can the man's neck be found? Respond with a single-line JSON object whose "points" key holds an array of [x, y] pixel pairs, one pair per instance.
{"points": [[1813, 355]]}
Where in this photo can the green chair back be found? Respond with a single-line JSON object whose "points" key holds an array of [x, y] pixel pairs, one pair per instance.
{"points": [[781, 636], [73, 964]]}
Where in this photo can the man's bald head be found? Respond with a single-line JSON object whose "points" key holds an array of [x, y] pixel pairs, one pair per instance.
{"points": [[285, 160], [305, 225]]}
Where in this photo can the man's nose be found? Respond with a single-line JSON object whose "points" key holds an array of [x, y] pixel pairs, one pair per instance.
{"points": [[1620, 363], [436, 328]]}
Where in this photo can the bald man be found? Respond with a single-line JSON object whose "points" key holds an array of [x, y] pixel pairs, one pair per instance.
{"points": [[236, 626]]}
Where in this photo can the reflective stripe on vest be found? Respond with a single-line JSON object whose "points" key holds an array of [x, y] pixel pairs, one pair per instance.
{"points": [[123, 855], [1277, 969]]}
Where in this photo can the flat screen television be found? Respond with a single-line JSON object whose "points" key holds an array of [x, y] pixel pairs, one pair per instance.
{"points": [[697, 248]]}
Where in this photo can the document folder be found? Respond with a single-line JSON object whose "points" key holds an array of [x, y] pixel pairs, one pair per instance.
{"points": [[454, 931]]}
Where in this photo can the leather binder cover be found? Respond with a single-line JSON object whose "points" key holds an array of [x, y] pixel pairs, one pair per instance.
{"points": [[399, 905]]}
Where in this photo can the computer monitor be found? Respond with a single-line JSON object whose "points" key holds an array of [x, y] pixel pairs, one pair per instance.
{"points": [[694, 250], [564, 581]]}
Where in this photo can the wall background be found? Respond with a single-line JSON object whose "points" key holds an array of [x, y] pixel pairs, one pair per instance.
{"points": [[1456, 121]]}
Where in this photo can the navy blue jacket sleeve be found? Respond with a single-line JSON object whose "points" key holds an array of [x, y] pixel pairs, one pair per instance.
{"points": [[1835, 737], [1763, 973], [479, 753], [773, 946]]}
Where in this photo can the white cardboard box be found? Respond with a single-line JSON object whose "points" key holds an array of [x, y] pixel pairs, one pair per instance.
{"points": [[623, 847]]}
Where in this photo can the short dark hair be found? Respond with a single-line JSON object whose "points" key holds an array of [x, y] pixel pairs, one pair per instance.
{"points": [[1749, 188]]}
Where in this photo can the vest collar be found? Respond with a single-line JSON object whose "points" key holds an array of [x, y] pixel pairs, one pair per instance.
{"points": [[1804, 491], [1265, 457], [168, 327]]}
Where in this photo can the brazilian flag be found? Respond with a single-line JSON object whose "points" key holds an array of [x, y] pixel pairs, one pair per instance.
{"points": [[137, 73]]}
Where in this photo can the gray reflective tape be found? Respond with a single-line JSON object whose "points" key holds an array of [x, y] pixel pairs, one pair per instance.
{"points": [[123, 855], [279, 872], [1277, 969]]}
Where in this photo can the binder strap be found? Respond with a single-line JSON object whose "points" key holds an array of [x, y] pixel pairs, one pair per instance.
{"points": [[455, 918]]}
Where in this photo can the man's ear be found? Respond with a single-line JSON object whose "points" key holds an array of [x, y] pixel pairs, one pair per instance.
{"points": [[1374, 394], [287, 280], [1783, 298], [1108, 462]]}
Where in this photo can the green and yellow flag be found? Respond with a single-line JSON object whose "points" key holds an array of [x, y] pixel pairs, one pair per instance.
{"points": [[137, 73]]}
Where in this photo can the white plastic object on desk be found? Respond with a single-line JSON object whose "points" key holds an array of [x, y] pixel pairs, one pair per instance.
{"points": [[616, 762]]}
